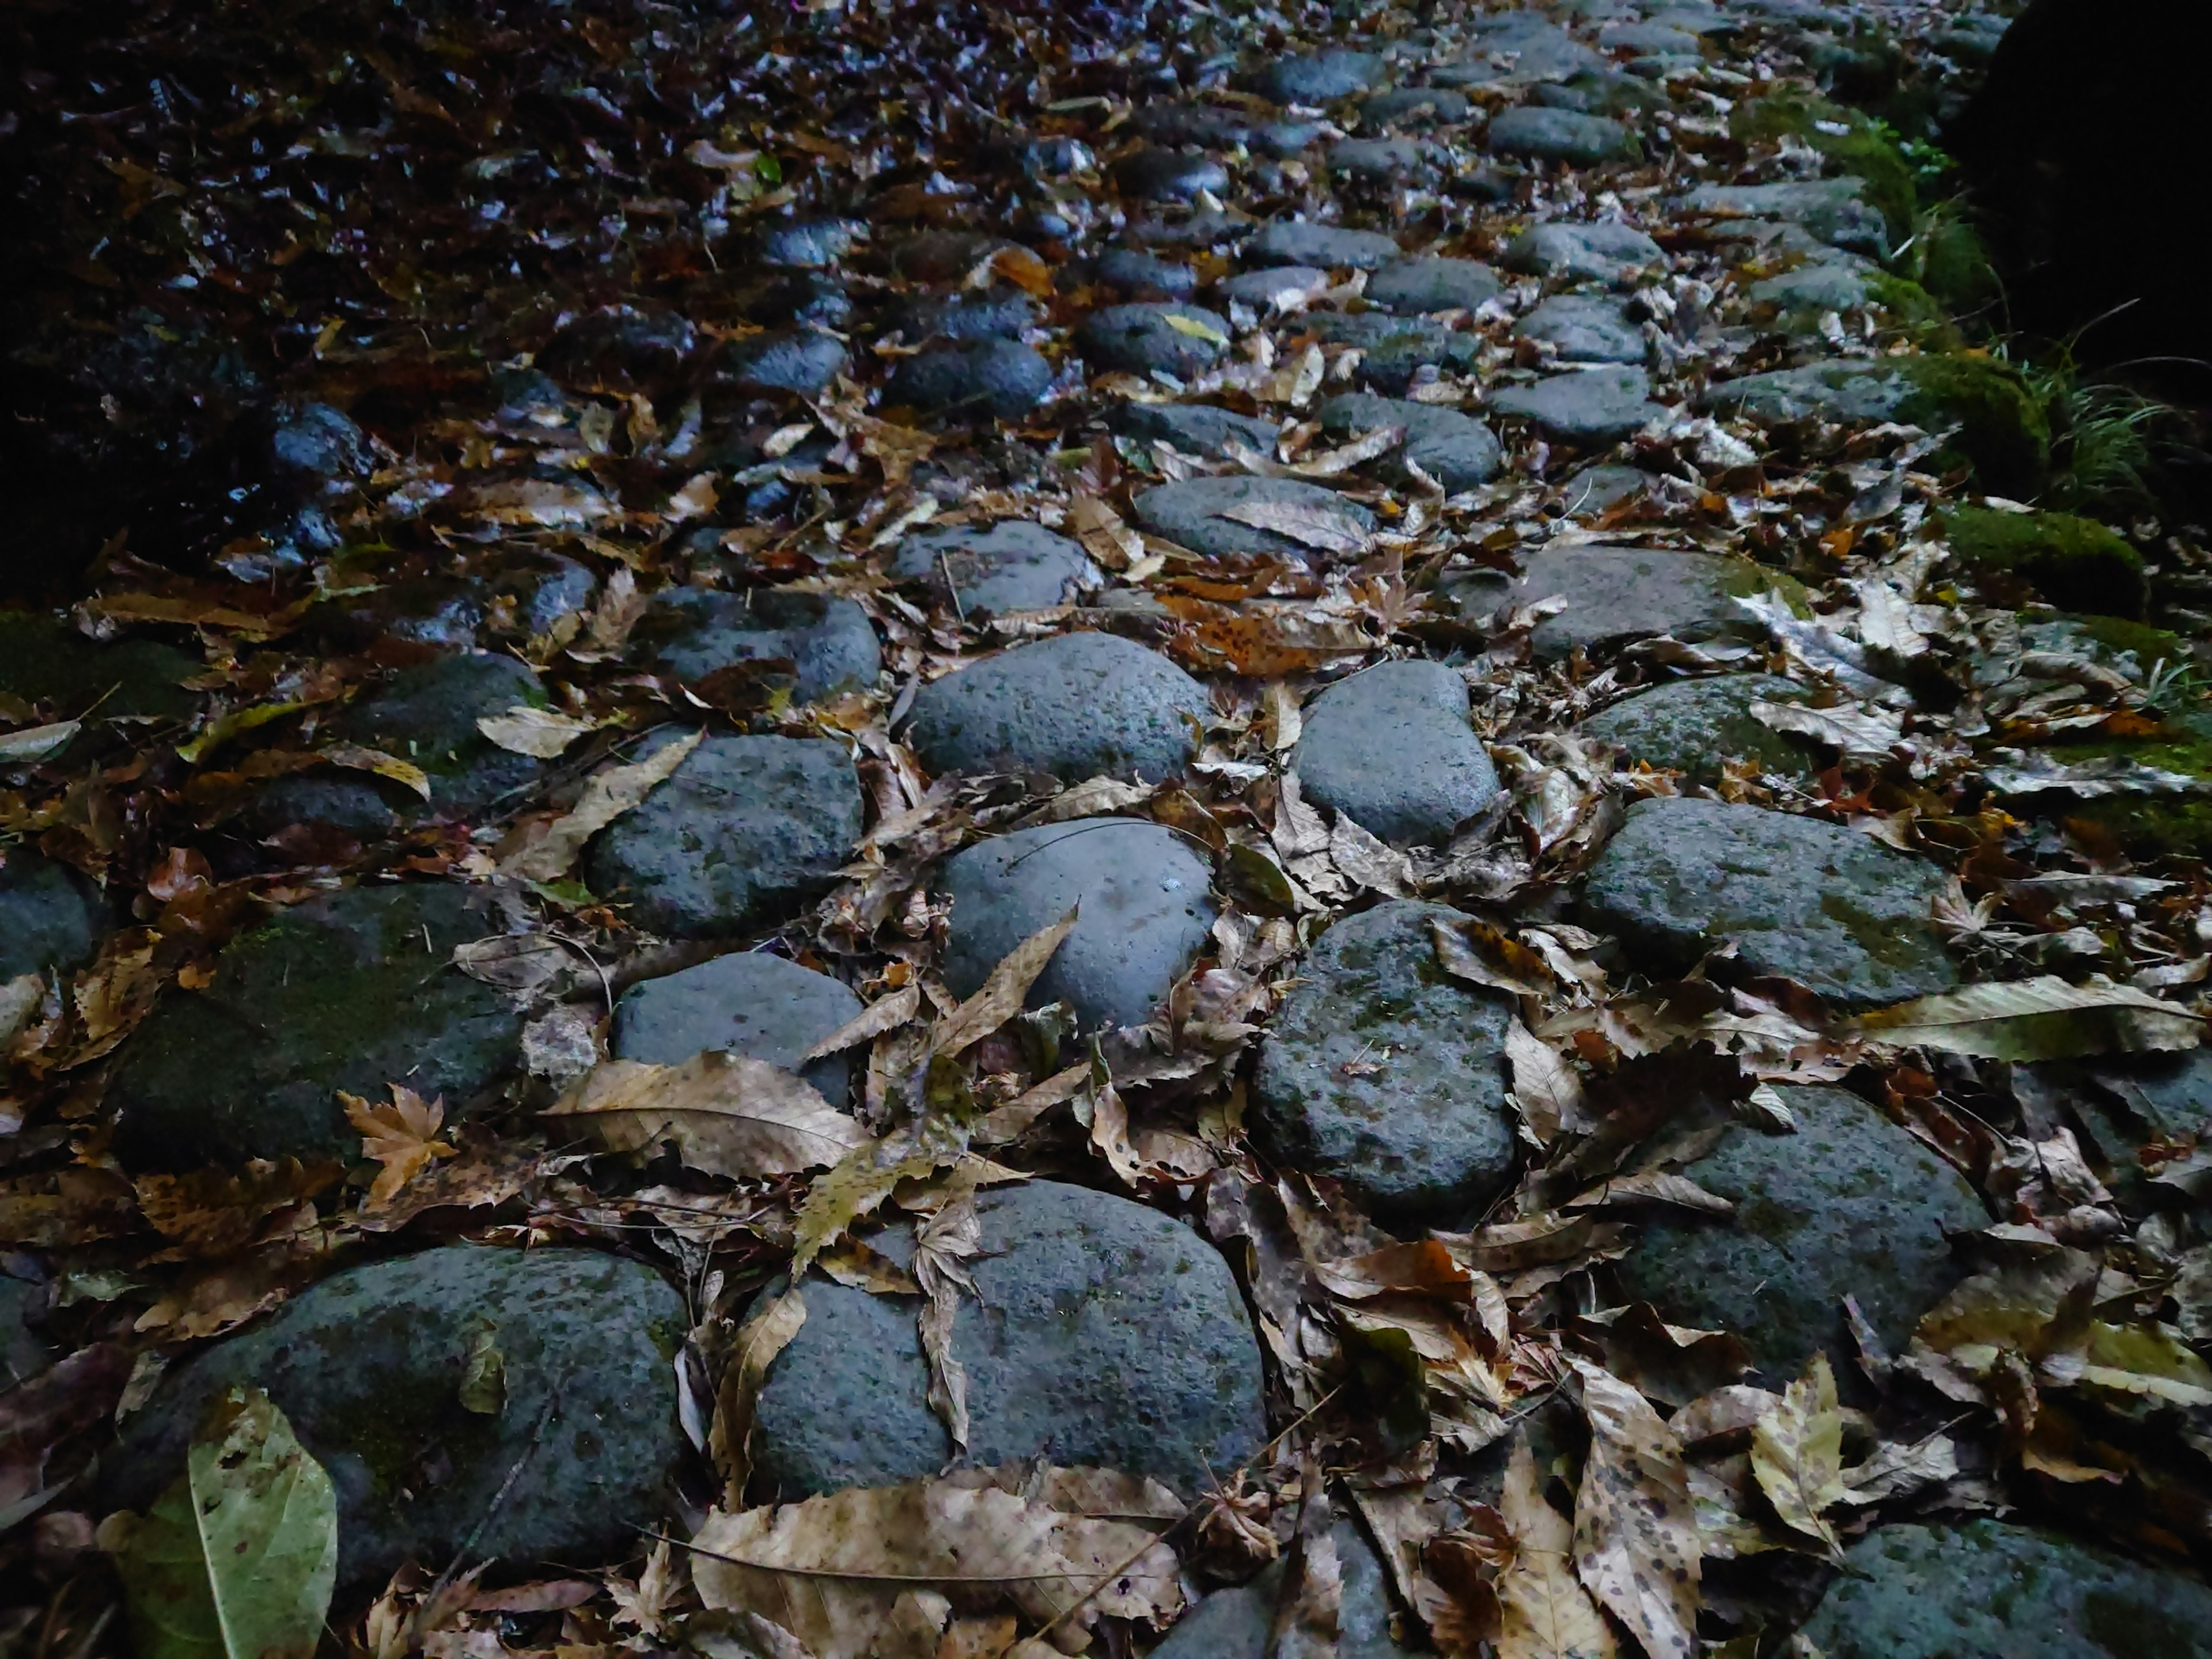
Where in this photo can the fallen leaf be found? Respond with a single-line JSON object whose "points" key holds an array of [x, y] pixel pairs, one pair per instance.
{"points": [[400, 1133], [541, 733], [1310, 1605], [1197, 327], [1003, 992], [484, 1375], [1864, 735], [1544, 1613], [2034, 1020], [611, 792], [513, 962], [1636, 1530], [1319, 527], [1797, 1454], [885, 1014], [356, 758], [767, 1334], [727, 1114], [35, 743], [1549, 1089]]}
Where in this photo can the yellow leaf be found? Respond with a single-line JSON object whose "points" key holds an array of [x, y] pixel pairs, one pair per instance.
{"points": [[401, 1135], [354, 758], [1003, 993], [1797, 1454], [1197, 327]]}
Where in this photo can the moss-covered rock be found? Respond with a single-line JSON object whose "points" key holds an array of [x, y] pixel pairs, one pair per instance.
{"points": [[2075, 562], [48, 664], [1693, 726], [1861, 149]]}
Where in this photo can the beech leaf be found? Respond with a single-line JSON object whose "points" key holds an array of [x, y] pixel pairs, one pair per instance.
{"points": [[728, 1115], [1797, 1454], [1636, 1531]]}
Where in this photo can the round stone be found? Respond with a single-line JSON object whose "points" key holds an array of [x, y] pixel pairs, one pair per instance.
{"points": [[1409, 106], [620, 349], [1193, 429], [51, 917], [1602, 253], [1140, 338], [1078, 706], [1101, 1332], [1190, 513], [1849, 1205], [1834, 210], [1693, 726], [1317, 78], [1156, 175], [1813, 288], [1011, 566], [1141, 275], [998, 380], [1327, 247], [967, 319], [367, 1366], [1825, 908], [1379, 160], [749, 1003], [1457, 450], [1393, 349], [1391, 748], [1615, 594], [1145, 913], [690, 632], [1237, 1623], [809, 242], [1277, 287], [1585, 406], [799, 360], [1413, 287], [352, 991], [1560, 134], [1383, 1072], [46, 662], [1583, 328]]}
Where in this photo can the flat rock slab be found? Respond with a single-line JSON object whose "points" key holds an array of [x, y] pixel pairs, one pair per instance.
{"points": [[1329, 248], [1145, 913], [1583, 328], [1825, 907], [692, 631], [1693, 726], [1391, 746], [351, 991], [1850, 1205], [1190, 513], [1616, 594], [1414, 287], [1193, 429], [51, 917], [743, 832], [367, 1366], [749, 1003], [1601, 252], [1833, 209], [1102, 1332], [1585, 406], [1537, 134], [1985, 1587], [1321, 77], [1142, 338], [1238, 1623], [1457, 450], [1385, 1074], [995, 380], [1011, 566], [1077, 706]]}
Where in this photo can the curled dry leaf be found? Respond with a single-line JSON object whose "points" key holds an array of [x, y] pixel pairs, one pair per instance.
{"points": [[2034, 1020], [727, 1115], [513, 962], [1797, 1454], [1311, 1602], [541, 733], [401, 1135], [885, 1014], [1636, 1531], [1549, 1089], [354, 758], [759, 1340], [611, 792]]}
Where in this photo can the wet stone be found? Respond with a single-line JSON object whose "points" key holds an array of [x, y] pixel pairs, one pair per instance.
{"points": [[51, 917], [1190, 513], [1141, 339], [534, 591], [992, 314], [1978, 1587], [799, 360], [1001, 379], [1418, 286], [351, 991], [24, 1350], [1825, 907], [1139, 275], [1329, 248], [1145, 913], [312, 445], [808, 242], [749, 1003], [690, 632], [1615, 594], [620, 349], [797, 297], [1603, 252], [1394, 350], [1319, 78], [1102, 1332], [1457, 450], [1833, 209], [1237, 1623], [1414, 106], [1155, 175], [47, 663], [1380, 160], [1011, 566], [1585, 406], [1850, 1205], [1583, 328], [1382, 1072], [743, 832], [367, 1365], [1391, 747], [1537, 134], [1193, 429], [1691, 726]]}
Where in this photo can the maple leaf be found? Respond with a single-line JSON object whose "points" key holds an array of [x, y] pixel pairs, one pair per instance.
{"points": [[401, 1135]]}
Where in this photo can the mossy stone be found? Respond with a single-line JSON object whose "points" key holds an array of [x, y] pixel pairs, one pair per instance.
{"points": [[1693, 726], [368, 1367], [2153, 824], [2075, 562], [47, 662], [1861, 150]]}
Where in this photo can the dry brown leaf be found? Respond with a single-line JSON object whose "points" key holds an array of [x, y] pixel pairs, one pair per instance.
{"points": [[513, 962], [1368, 860], [1483, 955], [611, 792], [759, 1340], [1319, 527], [541, 733], [1636, 1531], [1104, 536], [1544, 1613], [401, 1135], [1003, 993], [2034, 1020], [356, 758], [1307, 1607], [885, 1014], [942, 1246], [727, 1114], [1423, 1267], [1330, 463], [1549, 1089], [1651, 1187], [1797, 1454], [1281, 723]]}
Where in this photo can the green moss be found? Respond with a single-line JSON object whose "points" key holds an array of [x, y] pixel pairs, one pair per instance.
{"points": [[1953, 265], [2074, 562], [1745, 579], [2147, 824], [2001, 428], [1861, 150], [2150, 646]]}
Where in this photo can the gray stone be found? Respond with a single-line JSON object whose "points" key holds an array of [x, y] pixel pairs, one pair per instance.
{"points": [[24, 1350], [1691, 726], [800, 360], [1284, 139], [1138, 339], [1380, 161], [51, 917], [1155, 175], [692, 631], [1210, 126], [1189, 513], [1603, 252], [741, 834], [1143, 276], [1392, 747], [1146, 914], [368, 1367], [1193, 429], [1457, 450], [1600, 93], [943, 256], [1560, 134], [1850, 1205], [1283, 287], [1329, 248], [1542, 51], [535, 590], [1013, 566], [1237, 1623], [1003, 380], [1825, 907], [1585, 406], [1986, 1590], [1615, 594], [967, 319], [1321, 77], [1648, 39], [1102, 1332], [44, 662], [793, 297], [1385, 1074], [352, 991], [1813, 287], [1393, 349], [1583, 328], [1414, 106], [1416, 286], [1857, 391], [1833, 209], [1077, 706], [1594, 490], [439, 612], [620, 348], [809, 242], [748, 1003], [1203, 230]]}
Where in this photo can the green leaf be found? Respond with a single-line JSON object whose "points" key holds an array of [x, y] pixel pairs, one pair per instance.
{"points": [[769, 169], [237, 1558], [483, 1376]]}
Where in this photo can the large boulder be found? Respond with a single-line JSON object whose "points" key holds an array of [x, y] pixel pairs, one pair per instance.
{"points": [[1101, 1332], [749, 1003], [1391, 747], [575, 1450], [352, 991]]}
